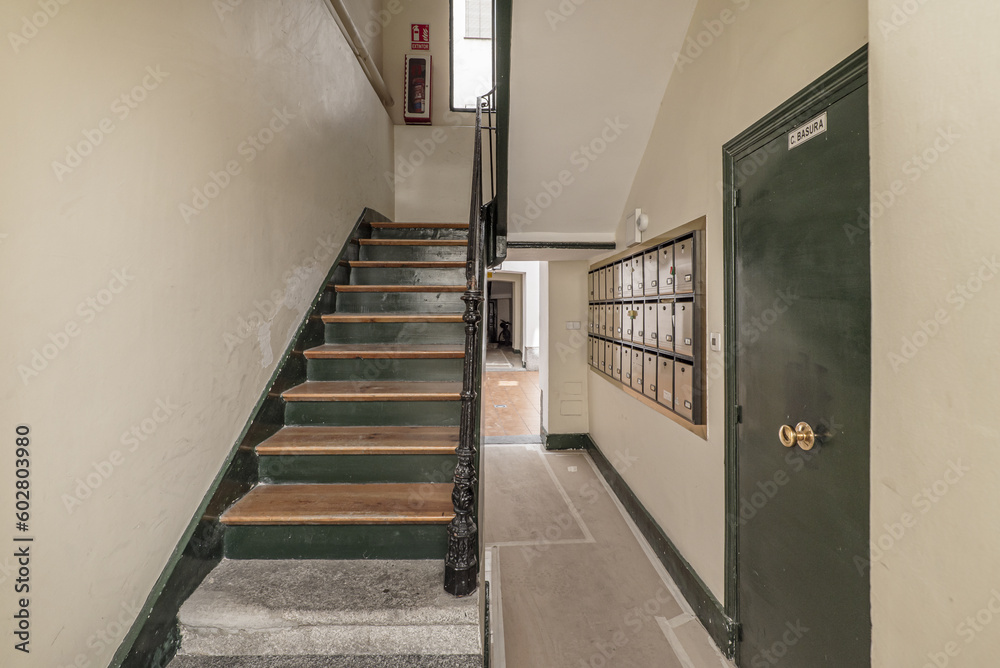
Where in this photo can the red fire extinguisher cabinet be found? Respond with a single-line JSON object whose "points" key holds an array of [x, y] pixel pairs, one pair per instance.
{"points": [[417, 90]]}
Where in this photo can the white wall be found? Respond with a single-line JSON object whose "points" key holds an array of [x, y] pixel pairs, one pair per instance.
{"points": [[586, 81], [140, 314], [755, 56], [935, 427], [531, 333]]}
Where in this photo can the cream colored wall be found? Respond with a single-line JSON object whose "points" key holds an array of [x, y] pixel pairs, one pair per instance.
{"points": [[563, 356], [122, 316], [935, 428], [752, 56]]}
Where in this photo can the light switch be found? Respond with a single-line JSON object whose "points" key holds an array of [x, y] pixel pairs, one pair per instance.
{"points": [[573, 324], [715, 340]]}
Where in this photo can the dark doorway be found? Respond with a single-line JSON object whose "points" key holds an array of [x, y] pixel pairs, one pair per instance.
{"points": [[799, 332]]}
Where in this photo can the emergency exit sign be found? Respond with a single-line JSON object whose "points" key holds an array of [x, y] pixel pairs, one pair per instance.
{"points": [[420, 36]]}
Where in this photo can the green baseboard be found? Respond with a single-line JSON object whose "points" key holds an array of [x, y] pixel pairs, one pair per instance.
{"points": [[706, 607], [567, 441], [154, 638]]}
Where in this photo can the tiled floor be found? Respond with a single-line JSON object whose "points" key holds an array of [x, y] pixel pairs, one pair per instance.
{"points": [[573, 583], [512, 403]]}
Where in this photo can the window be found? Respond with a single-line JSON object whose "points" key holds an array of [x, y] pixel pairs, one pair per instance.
{"points": [[478, 19], [471, 52]]}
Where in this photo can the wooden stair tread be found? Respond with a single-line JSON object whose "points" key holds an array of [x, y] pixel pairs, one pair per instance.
{"points": [[352, 390], [361, 441], [413, 242], [399, 288], [388, 503], [391, 317], [426, 226], [340, 351], [404, 264]]}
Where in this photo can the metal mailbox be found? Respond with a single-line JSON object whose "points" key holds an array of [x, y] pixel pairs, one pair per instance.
{"points": [[684, 389], [651, 273], [637, 370], [650, 324], [609, 356], [617, 320], [609, 318], [649, 364], [684, 266], [627, 365], [616, 356], [628, 322], [590, 319], [666, 270], [602, 359], [637, 289], [592, 346], [618, 280], [590, 284], [665, 382], [609, 282], [665, 325], [684, 328], [637, 325], [627, 279], [599, 315]]}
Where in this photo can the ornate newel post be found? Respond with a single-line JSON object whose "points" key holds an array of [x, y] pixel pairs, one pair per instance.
{"points": [[461, 566]]}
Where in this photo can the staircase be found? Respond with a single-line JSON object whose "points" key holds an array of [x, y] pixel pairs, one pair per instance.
{"points": [[361, 472]]}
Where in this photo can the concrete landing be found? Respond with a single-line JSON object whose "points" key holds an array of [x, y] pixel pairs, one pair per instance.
{"points": [[311, 613]]}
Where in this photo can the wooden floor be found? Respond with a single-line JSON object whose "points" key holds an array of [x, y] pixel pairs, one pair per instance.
{"points": [[512, 403]]}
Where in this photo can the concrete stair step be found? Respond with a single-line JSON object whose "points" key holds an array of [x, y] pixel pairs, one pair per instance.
{"points": [[328, 613]]}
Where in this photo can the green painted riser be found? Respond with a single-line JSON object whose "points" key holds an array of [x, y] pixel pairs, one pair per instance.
{"points": [[396, 332], [382, 413], [404, 276], [422, 253], [386, 369], [357, 468], [411, 541], [400, 302], [419, 233]]}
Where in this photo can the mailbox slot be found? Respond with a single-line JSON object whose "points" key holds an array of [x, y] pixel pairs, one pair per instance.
{"points": [[637, 370], [684, 328], [665, 325], [684, 389], [650, 380], [667, 270], [649, 323], [637, 289], [651, 274], [616, 355], [684, 266], [665, 382]]}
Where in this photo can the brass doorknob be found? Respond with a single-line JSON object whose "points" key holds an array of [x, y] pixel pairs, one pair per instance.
{"points": [[803, 435]]}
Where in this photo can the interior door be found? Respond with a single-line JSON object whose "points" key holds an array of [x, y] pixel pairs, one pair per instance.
{"points": [[803, 324]]}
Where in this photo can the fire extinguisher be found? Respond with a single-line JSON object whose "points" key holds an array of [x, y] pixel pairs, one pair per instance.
{"points": [[418, 95]]}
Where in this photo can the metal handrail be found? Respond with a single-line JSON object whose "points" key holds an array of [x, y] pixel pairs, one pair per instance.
{"points": [[461, 573]]}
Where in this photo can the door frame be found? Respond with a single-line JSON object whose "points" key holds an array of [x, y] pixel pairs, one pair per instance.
{"points": [[843, 79]]}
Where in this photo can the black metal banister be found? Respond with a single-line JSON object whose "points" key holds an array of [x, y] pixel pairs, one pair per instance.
{"points": [[461, 576]]}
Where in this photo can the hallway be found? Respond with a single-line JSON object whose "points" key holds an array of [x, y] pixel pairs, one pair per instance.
{"points": [[577, 585]]}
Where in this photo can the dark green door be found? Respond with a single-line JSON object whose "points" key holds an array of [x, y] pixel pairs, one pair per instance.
{"points": [[803, 327]]}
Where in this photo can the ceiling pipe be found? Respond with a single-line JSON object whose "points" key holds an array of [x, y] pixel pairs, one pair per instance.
{"points": [[357, 44]]}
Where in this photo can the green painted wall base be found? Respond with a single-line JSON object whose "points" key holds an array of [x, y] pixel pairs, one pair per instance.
{"points": [[567, 441], [383, 413], [387, 369], [414, 541]]}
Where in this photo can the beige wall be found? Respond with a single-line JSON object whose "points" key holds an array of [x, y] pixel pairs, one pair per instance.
{"points": [[563, 356], [935, 426], [753, 56], [143, 316]]}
